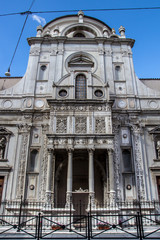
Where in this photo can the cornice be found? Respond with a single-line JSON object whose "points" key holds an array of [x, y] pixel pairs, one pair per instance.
{"points": [[50, 40]]}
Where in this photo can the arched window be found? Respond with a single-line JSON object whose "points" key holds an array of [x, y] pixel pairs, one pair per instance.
{"points": [[80, 35], [33, 161], [80, 87], [117, 72]]}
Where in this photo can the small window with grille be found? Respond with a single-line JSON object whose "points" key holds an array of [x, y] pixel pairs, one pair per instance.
{"points": [[80, 87]]}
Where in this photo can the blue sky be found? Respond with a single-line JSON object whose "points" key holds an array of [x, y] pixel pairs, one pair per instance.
{"points": [[143, 26]]}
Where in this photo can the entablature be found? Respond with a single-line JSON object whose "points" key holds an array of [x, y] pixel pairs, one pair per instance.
{"points": [[87, 141]]}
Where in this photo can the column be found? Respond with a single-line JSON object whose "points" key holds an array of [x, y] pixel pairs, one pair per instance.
{"points": [[111, 175], [69, 177], [91, 176], [49, 193]]}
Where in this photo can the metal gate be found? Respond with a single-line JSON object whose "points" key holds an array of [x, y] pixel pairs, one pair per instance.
{"points": [[91, 226]]}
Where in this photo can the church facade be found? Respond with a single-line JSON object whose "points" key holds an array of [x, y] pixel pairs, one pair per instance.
{"points": [[79, 126]]}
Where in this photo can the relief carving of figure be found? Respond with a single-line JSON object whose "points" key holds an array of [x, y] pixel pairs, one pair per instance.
{"points": [[2, 146], [158, 149]]}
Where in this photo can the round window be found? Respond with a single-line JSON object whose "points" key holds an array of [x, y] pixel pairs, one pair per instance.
{"points": [[43, 67], [98, 93], [63, 93]]}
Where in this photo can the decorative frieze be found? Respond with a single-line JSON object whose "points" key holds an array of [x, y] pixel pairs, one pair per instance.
{"points": [[34, 51], [61, 126], [81, 108], [80, 125], [100, 125]]}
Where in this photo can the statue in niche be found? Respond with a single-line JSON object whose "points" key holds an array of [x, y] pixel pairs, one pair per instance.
{"points": [[158, 149], [2, 146]]}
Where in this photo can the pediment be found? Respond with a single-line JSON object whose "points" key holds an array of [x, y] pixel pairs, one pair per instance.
{"points": [[155, 130], [4, 131], [80, 61]]}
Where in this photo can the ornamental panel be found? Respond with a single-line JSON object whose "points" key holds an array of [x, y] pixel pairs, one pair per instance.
{"points": [[100, 125], [61, 126], [80, 124]]}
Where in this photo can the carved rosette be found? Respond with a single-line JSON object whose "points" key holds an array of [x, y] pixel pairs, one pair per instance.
{"points": [[80, 124], [138, 162], [24, 129], [117, 161]]}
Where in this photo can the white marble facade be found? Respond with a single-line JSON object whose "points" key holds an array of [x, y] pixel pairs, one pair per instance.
{"points": [[80, 122]]}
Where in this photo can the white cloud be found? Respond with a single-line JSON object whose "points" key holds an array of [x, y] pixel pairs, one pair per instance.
{"points": [[39, 19]]}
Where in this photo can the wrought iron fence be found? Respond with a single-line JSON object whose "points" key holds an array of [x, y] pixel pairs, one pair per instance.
{"points": [[90, 226]]}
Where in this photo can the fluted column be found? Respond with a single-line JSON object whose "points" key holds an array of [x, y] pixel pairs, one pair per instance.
{"points": [[69, 177], [111, 175], [49, 191], [91, 176]]}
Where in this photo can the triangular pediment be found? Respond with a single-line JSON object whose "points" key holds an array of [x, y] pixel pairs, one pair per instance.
{"points": [[4, 131], [81, 60], [155, 130]]}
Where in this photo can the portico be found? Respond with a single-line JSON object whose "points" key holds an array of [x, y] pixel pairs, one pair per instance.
{"points": [[76, 166]]}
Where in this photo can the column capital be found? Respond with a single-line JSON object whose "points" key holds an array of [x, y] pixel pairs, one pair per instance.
{"points": [[50, 150], [110, 151], [91, 150], [70, 150]]}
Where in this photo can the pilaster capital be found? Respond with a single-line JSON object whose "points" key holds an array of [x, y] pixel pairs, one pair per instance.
{"points": [[110, 151], [50, 150], [70, 150], [24, 128], [91, 150]]}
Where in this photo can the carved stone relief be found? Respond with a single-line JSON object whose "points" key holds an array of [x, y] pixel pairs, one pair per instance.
{"points": [[100, 125], [78, 108], [61, 126], [138, 162], [117, 160], [42, 190], [22, 165], [80, 125]]}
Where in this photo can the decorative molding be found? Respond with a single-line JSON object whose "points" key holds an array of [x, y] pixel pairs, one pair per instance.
{"points": [[81, 108]]}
